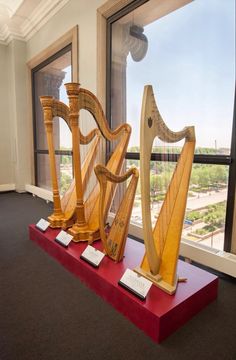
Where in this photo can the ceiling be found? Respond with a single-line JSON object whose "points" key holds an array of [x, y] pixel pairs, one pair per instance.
{"points": [[21, 19]]}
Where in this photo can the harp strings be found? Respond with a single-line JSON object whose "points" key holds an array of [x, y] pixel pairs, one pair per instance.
{"points": [[63, 172], [86, 118], [163, 175]]}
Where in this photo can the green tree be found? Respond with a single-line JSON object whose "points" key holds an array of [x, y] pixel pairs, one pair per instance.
{"points": [[193, 215], [216, 215], [194, 180], [204, 178], [218, 174], [65, 182], [65, 159], [156, 183]]}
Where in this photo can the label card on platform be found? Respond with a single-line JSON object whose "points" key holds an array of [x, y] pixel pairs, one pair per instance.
{"points": [[63, 238], [92, 256], [135, 283], [42, 225]]}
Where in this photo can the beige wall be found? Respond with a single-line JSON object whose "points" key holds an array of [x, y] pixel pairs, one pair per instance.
{"points": [[14, 139], [16, 160], [83, 14], [6, 156], [20, 125]]}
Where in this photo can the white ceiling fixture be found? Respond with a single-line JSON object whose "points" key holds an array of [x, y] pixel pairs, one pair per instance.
{"points": [[21, 19]]}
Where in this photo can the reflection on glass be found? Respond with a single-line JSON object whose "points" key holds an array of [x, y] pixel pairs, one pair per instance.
{"points": [[64, 172], [190, 62], [49, 81], [43, 172], [206, 205], [61, 135]]}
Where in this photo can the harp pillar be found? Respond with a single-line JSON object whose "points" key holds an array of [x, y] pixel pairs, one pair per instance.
{"points": [[73, 93]]}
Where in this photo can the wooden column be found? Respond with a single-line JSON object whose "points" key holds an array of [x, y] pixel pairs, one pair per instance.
{"points": [[73, 92], [46, 102]]}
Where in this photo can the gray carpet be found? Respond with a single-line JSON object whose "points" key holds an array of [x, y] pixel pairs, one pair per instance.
{"points": [[47, 313]]}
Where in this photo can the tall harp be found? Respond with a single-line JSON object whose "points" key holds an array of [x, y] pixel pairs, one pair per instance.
{"points": [[162, 243], [63, 215], [86, 227], [114, 241]]}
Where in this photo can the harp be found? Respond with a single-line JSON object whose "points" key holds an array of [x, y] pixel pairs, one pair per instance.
{"points": [[86, 226], [162, 243], [114, 241], [63, 215]]}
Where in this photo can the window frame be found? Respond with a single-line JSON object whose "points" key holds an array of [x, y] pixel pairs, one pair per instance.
{"points": [[230, 227], [37, 150], [50, 53]]}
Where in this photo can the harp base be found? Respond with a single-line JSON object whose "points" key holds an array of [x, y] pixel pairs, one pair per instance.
{"points": [[84, 233], [68, 222], [157, 281], [60, 221], [56, 221]]}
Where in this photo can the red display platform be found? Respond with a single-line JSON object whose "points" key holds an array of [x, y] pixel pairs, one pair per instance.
{"points": [[160, 314]]}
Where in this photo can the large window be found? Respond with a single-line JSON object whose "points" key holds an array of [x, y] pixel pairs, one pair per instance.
{"points": [[188, 56], [48, 78]]}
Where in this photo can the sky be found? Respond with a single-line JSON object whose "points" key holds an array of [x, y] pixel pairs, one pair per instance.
{"points": [[190, 63]]}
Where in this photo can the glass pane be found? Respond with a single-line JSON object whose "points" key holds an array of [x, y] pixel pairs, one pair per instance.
{"points": [[50, 80], [188, 55], [61, 135], [206, 205], [43, 172], [64, 172]]}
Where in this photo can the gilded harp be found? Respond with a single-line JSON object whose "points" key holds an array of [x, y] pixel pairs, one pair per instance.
{"points": [[162, 242], [63, 215], [86, 226]]}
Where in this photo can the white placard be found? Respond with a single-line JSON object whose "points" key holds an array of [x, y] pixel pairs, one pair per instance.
{"points": [[42, 225], [63, 238], [92, 255], [136, 283]]}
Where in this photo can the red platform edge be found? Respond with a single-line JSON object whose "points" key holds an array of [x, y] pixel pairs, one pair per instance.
{"points": [[160, 314]]}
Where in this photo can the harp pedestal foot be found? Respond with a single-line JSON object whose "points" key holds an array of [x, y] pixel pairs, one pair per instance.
{"points": [[67, 223], [56, 220], [157, 281], [84, 233], [60, 221]]}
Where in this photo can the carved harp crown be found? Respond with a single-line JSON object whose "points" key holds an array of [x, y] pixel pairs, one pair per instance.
{"points": [[162, 242]]}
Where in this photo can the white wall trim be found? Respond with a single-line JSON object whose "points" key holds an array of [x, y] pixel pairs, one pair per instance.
{"points": [[40, 16], [7, 187], [213, 258], [24, 26], [40, 192]]}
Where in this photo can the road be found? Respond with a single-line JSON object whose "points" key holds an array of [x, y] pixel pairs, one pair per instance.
{"points": [[206, 199]]}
